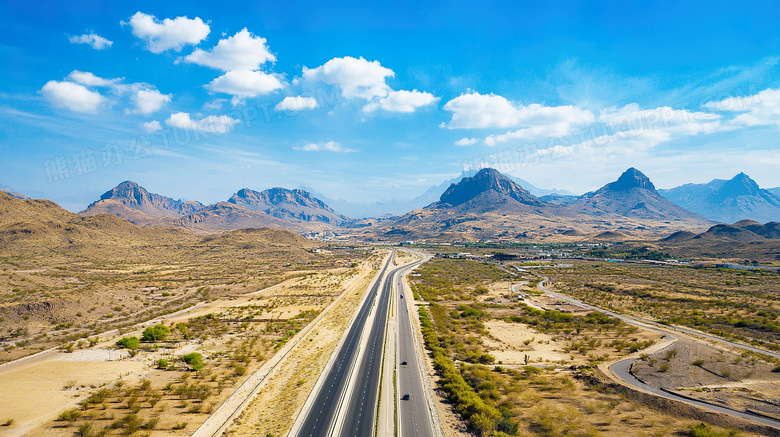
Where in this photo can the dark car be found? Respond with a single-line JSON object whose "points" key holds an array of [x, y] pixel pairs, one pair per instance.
{"points": [[405, 397], [403, 363], [402, 296]]}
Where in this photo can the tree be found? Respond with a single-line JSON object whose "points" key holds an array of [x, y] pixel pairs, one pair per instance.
{"points": [[156, 333], [194, 360], [131, 343]]}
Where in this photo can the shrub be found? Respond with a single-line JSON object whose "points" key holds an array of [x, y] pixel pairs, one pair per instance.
{"points": [[69, 415], [698, 362], [162, 363], [194, 360], [156, 333], [85, 430], [131, 343]]}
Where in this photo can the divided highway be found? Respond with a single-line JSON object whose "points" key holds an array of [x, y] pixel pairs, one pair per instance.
{"points": [[322, 415], [346, 401]]}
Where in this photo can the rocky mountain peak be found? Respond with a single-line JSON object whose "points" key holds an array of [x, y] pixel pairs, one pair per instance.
{"points": [[487, 179], [630, 179], [740, 185]]}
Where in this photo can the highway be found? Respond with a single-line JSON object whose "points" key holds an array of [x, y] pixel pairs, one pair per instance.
{"points": [[346, 402], [322, 415], [414, 417]]}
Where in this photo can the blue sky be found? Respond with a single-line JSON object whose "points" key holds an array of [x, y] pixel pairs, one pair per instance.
{"points": [[369, 102]]}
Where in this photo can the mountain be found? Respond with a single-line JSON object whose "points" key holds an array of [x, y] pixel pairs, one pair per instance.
{"points": [[486, 205], [291, 205], [11, 192], [225, 216], [487, 184], [399, 207], [34, 227], [775, 191], [727, 201], [135, 197], [632, 195]]}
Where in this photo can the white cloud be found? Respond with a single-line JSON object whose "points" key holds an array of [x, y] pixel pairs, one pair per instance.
{"points": [[152, 126], [213, 123], [759, 109], [72, 96], [402, 101], [357, 77], [96, 41], [297, 103], [466, 141], [477, 111], [330, 146], [149, 100], [168, 34], [242, 51], [245, 83], [88, 79]]}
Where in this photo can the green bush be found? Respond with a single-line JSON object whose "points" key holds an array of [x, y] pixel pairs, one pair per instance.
{"points": [[131, 343], [156, 333], [69, 415], [194, 360]]}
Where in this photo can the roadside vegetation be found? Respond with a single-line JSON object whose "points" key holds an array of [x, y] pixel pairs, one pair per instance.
{"points": [[497, 398]]}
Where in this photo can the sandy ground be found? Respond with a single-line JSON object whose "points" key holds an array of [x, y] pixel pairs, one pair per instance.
{"points": [[511, 350], [34, 394]]}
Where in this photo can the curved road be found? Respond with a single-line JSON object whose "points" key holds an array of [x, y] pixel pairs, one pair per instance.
{"points": [[622, 368]]}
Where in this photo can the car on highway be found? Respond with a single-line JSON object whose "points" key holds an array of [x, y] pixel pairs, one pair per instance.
{"points": [[405, 397], [403, 363]]}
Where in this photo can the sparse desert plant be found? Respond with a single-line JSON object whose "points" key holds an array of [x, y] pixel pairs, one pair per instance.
{"points": [[162, 363], [9, 422], [671, 354], [86, 429], [664, 367], [69, 415], [180, 425], [698, 362]]}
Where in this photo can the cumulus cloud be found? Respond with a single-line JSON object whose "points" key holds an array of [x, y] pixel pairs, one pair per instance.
{"points": [[245, 83], [149, 100], [96, 41], [356, 77], [242, 51], [478, 111], [72, 96], [402, 101], [152, 126], [168, 34], [330, 146], [760, 109], [213, 123], [88, 79], [466, 141], [297, 103]]}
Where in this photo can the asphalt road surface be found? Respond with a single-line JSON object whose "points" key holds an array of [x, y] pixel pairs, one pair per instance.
{"points": [[324, 409], [414, 418]]}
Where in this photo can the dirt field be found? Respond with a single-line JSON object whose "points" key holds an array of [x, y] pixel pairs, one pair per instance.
{"points": [[37, 389]]}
